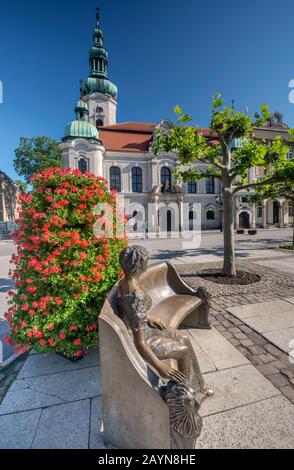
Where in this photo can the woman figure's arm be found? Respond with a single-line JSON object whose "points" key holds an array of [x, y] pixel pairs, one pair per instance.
{"points": [[146, 352]]}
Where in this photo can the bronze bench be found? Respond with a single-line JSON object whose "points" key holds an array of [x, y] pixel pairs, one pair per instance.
{"points": [[127, 380]]}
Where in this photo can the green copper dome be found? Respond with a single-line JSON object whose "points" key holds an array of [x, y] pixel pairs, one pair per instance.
{"points": [[80, 129], [98, 85], [97, 81], [81, 105]]}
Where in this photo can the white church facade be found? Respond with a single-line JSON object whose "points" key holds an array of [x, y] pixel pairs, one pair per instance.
{"points": [[122, 154]]}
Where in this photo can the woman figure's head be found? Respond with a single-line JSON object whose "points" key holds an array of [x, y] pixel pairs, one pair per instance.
{"points": [[133, 261]]}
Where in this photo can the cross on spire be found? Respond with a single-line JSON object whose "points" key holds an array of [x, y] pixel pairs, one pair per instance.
{"points": [[98, 15]]}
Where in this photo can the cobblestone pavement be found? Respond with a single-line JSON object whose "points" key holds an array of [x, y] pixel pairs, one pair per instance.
{"points": [[266, 357]]}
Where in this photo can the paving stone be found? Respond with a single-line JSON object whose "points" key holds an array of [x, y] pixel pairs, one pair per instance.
{"points": [[278, 364], [256, 360], [64, 427], [288, 391], [278, 380], [205, 364], [234, 341], [240, 336], [245, 329], [259, 309], [42, 364], [235, 320], [17, 430], [48, 390], [96, 432], [222, 354], [288, 373], [284, 358], [272, 349], [246, 343], [234, 330], [220, 328], [257, 339], [266, 358], [243, 351], [281, 338], [272, 322], [256, 350], [267, 424], [227, 334], [268, 369], [231, 389]]}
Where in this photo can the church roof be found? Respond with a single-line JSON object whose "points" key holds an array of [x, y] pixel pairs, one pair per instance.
{"points": [[132, 127], [127, 137], [132, 136]]}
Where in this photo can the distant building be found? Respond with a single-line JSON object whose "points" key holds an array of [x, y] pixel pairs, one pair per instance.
{"points": [[8, 198], [122, 153]]}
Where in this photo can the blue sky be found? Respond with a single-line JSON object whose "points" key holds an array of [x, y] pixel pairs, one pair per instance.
{"points": [[162, 53]]}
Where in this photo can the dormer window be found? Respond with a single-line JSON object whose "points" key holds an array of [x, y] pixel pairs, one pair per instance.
{"points": [[276, 119]]}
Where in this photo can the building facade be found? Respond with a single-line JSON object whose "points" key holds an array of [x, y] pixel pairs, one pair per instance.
{"points": [[8, 204], [122, 153]]}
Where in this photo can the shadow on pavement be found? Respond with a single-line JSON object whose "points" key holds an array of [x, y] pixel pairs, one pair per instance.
{"points": [[5, 350], [6, 285]]}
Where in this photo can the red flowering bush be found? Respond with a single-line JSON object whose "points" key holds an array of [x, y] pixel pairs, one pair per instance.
{"points": [[65, 263]]}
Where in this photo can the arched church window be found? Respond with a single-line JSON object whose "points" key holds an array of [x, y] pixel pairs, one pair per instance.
{"points": [[83, 165], [165, 175], [137, 180], [99, 110], [99, 122], [115, 178], [192, 187]]}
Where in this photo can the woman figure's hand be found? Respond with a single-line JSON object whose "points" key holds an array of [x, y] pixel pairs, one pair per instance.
{"points": [[156, 323], [168, 372]]}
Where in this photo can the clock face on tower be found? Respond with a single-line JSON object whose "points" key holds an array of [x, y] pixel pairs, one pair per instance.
{"points": [[276, 119]]}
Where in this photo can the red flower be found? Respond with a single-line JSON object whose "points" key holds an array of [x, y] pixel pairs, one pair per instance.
{"points": [[8, 340], [32, 289], [54, 238]]}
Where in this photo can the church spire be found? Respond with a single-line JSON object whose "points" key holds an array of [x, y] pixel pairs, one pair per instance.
{"points": [[98, 55], [97, 81]]}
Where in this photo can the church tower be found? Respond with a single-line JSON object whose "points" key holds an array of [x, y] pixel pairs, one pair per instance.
{"points": [[81, 147], [97, 91]]}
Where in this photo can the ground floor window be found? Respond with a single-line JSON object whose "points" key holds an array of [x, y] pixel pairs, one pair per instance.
{"points": [[291, 209], [259, 210], [210, 215]]}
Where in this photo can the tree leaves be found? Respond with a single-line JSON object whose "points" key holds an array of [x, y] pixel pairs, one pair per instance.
{"points": [[35, 154]]}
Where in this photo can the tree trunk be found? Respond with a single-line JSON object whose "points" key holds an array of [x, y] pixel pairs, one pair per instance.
{"points": [[229, 238]]}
